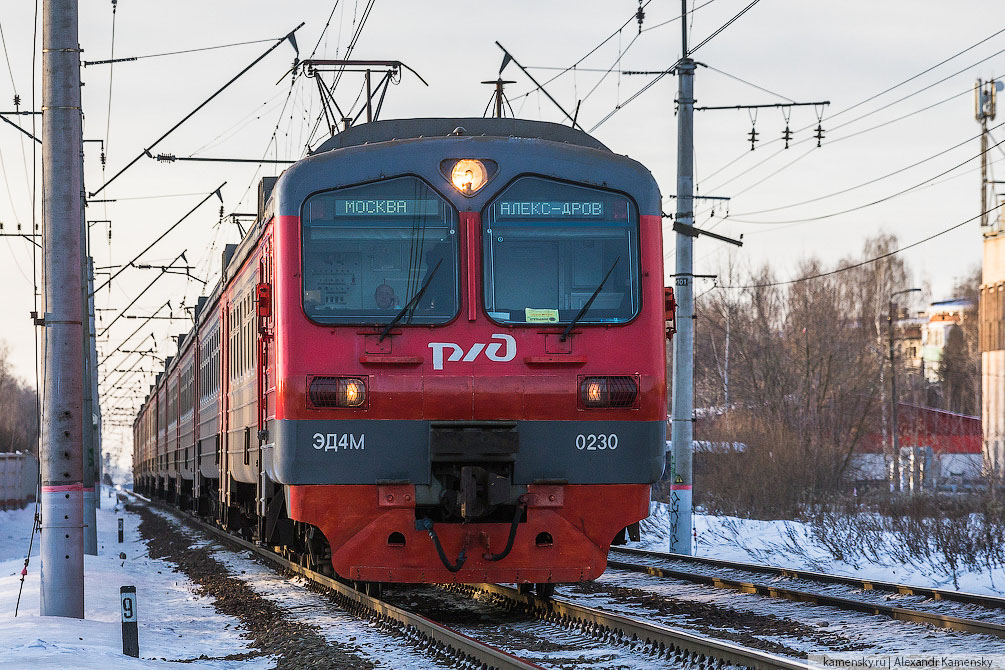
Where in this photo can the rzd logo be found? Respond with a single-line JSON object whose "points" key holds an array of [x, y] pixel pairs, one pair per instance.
{"points": [[491, 351]]}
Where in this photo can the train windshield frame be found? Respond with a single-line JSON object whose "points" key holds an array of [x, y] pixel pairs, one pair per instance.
{"points": [[367, 250], [551, 246]]}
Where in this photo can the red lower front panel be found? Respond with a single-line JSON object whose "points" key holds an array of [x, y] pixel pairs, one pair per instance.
{"points": [[580, 519]]}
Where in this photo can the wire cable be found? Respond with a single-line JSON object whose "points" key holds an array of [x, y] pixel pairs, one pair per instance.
{"points": [[594, 49], [868, 204], [676, 18], [865, 183], [887, 90], [112, 60], [924, 72], [721, 28], [205, 102], [744, 81], [871, 260], [645, 88], [619, 107], [160, 237], [324, 30]]}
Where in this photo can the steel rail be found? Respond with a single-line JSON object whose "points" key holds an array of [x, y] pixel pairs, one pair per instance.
{"points": [[898, 613], [445, 641], [995, 602], [658, 640]]}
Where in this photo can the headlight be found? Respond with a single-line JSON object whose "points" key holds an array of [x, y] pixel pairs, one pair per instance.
{"points": [[468, 175], [595, 392], [323, 392]]}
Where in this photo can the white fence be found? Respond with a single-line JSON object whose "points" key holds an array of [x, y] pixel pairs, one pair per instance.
{"points": [[18, 479]]}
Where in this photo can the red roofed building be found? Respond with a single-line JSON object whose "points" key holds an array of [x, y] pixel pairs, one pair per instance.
{"points": [[942, 448]]}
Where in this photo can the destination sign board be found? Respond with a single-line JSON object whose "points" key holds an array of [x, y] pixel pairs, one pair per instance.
{"points": [[549, 209], [386, 207]]}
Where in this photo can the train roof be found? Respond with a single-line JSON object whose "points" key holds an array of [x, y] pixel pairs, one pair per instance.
{"points": [[401, 129]]}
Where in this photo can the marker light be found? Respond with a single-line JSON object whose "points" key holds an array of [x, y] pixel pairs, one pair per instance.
{"points": [[336, 392], [468, 176], [608, 392]]}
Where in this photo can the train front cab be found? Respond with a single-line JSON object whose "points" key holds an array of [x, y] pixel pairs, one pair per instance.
{"points": [[479, 437]]}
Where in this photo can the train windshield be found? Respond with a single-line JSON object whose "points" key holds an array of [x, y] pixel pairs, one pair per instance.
{"points": [[368, 251], [550, 248]]}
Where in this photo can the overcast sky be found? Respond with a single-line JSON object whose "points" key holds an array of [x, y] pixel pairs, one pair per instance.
{"points": [[788, 50]]}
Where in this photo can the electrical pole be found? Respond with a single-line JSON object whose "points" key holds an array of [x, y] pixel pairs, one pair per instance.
{"points": [[62, 573], [87, 436], [94, 424], [985, 102], [682, 416]]}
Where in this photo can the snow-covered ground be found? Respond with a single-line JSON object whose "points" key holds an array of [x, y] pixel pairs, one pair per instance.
{"points": [[178, 626], [791, 544], [174, 623]]}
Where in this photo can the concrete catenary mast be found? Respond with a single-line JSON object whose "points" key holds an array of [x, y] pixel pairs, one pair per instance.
{"points": [[62, 574], [682, 416]]}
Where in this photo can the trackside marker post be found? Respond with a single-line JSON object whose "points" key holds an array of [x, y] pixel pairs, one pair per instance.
{"points": [[120, 531], [130, 629]]}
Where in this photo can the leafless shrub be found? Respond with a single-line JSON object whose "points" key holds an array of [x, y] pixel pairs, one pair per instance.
{"points": [[946, 535]]}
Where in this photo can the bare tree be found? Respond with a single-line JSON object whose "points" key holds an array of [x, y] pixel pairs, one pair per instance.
{"points": [[18, 416], [804, 380]]}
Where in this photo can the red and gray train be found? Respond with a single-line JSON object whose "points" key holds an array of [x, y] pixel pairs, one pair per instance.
{"points": [[437, 356]]}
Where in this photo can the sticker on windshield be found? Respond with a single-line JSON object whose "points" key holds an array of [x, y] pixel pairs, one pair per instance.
{"points": [[541, 315]]}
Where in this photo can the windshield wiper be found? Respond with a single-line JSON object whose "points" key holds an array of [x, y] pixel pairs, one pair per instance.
{"points": [[408, 305], [586, 307]]}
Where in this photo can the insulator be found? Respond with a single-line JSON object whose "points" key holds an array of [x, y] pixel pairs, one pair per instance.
{"points": [[819, 134], [753, 137], [640, 16], [17, 101], [786, 135]]}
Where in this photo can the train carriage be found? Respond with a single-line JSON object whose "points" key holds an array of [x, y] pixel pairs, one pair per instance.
{"points": [[441, 356]]}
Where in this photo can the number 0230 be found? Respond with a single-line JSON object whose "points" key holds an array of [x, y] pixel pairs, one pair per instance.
{"points": [[596, 442]]}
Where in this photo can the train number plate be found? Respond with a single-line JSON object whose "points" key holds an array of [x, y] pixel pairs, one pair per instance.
{"points": [[338, 441], [596, 441]]}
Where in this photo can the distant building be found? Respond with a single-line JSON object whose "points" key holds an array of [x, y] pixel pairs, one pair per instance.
{"points": [[992, 346], [939, 449], [921, 339], [908, 337], [942, 315]]}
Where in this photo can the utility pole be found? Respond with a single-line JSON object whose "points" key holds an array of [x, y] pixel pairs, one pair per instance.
{"points": [[985, 102], [94, 421], [897, 479], [87, 436], [682, 416], [62, 573]]}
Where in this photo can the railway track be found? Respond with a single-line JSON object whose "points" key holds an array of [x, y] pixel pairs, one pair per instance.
{"points": [[677, 646], [640, 637], [665, 566], [437, 640]]}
